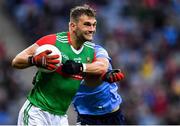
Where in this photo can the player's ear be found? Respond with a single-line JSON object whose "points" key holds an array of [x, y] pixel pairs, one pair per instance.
{"points": [[72, 25]]}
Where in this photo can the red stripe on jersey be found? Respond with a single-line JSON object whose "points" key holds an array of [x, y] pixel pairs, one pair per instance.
{"points": [[94, 58], [69, 38], [48, 39]]}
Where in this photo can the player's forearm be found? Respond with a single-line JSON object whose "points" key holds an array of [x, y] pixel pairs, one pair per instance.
{"points": [[99, 67], [96, 67], [20, 62]]}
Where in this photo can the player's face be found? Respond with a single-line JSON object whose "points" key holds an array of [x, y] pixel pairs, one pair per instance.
{"points": [[85, 28]]}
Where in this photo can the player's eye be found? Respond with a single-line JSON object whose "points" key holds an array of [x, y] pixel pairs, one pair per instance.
{"points": [[87, 23], [94, 24]]}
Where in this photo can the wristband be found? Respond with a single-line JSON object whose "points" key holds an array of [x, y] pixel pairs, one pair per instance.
{"points": [[30, 60], [84, 67]]}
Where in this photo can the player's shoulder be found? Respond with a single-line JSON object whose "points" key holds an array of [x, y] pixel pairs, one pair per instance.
{"points": [[62, 33], [47, 39], [51, 38], [99, 47], [96, 46], [89, 44], [62, 37], [48, 36]]}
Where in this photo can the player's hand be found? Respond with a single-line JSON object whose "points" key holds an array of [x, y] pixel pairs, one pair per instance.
{"points": [[113, 75], [71, 67], [44, 60]]}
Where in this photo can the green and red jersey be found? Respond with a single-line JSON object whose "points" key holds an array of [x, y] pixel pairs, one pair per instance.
{"points": [[53, 92]]}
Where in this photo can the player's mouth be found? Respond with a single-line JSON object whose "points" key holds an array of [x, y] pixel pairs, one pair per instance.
{"points": [[89, 34]]}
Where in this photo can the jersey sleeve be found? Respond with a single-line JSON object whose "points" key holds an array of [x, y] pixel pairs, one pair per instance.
{"points": [[100, 52], [48, 39]]}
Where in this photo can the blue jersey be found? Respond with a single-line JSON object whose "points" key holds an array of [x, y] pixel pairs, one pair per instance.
{"points": [[97, 100]]}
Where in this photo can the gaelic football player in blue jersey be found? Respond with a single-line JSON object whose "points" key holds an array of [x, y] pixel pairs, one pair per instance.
{"points": [[99, 105]]}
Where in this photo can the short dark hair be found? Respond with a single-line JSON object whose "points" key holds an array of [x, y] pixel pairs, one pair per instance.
{"points": [[78, 11]]}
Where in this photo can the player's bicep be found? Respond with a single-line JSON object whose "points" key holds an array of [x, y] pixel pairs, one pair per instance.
{"points": [[21, 59], [102, 62], [30, 50]]}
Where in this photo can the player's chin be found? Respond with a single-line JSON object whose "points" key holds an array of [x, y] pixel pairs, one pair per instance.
{"points": [[89, 38]]}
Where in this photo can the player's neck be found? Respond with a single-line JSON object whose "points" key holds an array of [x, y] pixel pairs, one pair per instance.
{"points": [[77, 44]]}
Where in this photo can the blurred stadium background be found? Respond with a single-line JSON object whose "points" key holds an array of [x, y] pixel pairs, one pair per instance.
{"points": [[141, 36]]}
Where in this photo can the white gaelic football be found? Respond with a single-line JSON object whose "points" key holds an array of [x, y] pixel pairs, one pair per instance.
{"points": [[55, 51]]}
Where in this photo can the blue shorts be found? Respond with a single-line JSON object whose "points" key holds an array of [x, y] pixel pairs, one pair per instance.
{"points": [[114, 118]]}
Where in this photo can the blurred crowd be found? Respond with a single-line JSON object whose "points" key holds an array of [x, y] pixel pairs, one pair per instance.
{"points": [[141, 36], [10, 89]]}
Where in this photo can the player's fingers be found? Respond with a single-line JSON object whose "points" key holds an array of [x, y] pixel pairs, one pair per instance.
{"points": [[42, 61], [53, 61], [111, 79], [120, 75], [115, 77], [51, 67], [48, 52], [53, 57]]}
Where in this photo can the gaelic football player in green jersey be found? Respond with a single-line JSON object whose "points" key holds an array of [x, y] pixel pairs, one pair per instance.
{"points": [[52, 93]]}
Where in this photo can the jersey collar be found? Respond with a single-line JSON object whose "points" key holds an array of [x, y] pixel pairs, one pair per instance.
{"points": [[73, 49]]}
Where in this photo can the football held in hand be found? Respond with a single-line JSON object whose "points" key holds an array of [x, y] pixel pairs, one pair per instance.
{"points": [[55, 51]]}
